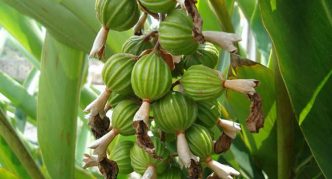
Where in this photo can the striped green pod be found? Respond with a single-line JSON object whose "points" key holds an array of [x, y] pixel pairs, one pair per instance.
{"points": [[202, 83], [116, 73], [175, 34], [159, 6], [136, 45], [160, 148], [172, 173], [206, 54], [141, 160], [174, 112], [200, 141], [155, 129], [121, 155], [151, 77], [117, 15], [208, 113], [123, 115]]}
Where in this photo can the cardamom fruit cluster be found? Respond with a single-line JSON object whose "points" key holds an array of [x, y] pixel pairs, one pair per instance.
{"points": [[164, 89]]}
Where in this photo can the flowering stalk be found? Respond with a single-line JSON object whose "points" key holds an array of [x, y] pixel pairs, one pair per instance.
{"points": [[223, 39], [100, 145], [98, 47]]}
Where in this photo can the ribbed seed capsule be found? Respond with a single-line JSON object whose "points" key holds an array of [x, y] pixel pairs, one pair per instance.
{"points": [[200, 143], [121, 155], [202, 83], [208, 113], [122, 117], [206, 54], [175, 34], [118, 15], [160, 6], [144, 163], [172, 173], [151, 77], [136, 45], [116, 73], [174, 112]]}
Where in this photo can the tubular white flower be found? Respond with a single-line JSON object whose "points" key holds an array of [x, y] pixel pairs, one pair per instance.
{"points": [[223, 171], [229, 127], [245, 86], [100, 145], [150, 173], [98, 46], [176, 59], [183, 150], [90, 161], [223, 39], [181, 3], [97, 106], [143, 113]]}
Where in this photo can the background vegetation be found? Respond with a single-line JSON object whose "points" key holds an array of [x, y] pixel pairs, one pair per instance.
{"points": [[289, 46]]}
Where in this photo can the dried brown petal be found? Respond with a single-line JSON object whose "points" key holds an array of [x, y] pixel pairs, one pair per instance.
{"points": [[99, 126], [255, 120], [222, 144], [143, 139], [168, 58], [195, 170], [197, 20], [108, 168]]}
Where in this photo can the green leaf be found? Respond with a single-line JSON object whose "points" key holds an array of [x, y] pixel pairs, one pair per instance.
{"points": [[23, 28], [18, 95], [264, 142], [72, 22], [303, 47], [18, 148], [58, 98], [6, 174]]}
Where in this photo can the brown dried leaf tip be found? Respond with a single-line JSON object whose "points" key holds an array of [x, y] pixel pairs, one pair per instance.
{"points": [[99, 126], [195, 170], [108, 168], [255, 120], [197, 20], [143, 139], [222, 144]]}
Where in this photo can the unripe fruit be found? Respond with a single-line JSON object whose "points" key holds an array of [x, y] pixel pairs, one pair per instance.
{"points": [[208, 113], [206, 54], [122, 117], [175, 34], [158, 6], [200, 141], [121, 155], [136, 45], [202, 83], [141, 161], [172, 173], [117, 73], [118, 15], [174, 112], [151, 77]]}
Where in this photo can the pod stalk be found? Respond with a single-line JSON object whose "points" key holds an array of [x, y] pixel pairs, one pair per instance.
{"points": [[150, 173], [100, 145], [222, 171], [223, 39], [183, 150], [98, 47]]}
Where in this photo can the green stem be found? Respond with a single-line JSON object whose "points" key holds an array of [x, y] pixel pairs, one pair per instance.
{"points": [[285, 127], [17, 146], [220, 9]]}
